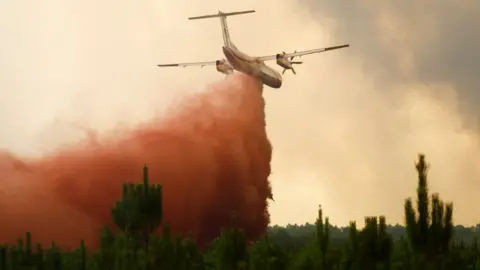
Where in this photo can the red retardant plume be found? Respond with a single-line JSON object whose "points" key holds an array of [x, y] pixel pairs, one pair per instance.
{"points": [[211, 155]]}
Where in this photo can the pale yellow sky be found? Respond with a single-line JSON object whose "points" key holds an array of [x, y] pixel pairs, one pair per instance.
{"points": [[345, 130]]}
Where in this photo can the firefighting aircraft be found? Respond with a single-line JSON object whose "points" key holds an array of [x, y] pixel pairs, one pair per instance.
{"points": [[253, 66]]}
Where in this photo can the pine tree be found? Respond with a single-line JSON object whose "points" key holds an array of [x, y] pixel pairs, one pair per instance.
{"points": [[429, 228], [322, 237], [139, 213], [231, 248], [384, 245], [351, 251]]}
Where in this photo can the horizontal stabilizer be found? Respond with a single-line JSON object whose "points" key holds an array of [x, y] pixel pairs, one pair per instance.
{"points": [[221, 14], [201, 64], [169, 65], [337, 47]]}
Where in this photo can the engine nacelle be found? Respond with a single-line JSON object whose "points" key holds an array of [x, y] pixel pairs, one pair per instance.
{"points": [[223, 67], [283, 61]]}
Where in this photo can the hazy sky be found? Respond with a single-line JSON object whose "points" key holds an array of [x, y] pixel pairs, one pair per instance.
{"points": [[346, 129]]}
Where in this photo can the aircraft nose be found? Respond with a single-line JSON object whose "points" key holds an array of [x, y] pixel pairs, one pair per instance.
{"points": [[279, 83]]}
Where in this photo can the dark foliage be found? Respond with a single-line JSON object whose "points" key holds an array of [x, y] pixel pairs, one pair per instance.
{"points": [[429, 240]]}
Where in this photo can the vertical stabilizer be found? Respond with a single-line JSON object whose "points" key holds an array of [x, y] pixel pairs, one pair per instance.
{"points": [[223, 20]]}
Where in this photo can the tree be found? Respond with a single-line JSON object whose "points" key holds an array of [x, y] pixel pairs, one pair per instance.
{"points": [[139, 213], [323, 238], [429, 228], [375, 245], [231, 248], [266, 255]]}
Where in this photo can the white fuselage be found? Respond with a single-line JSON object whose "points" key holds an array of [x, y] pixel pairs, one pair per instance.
{"points": [[252, 66]]}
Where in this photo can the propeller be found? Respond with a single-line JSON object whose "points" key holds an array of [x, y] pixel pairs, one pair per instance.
{"points": [[293, 70], [292, 63]]}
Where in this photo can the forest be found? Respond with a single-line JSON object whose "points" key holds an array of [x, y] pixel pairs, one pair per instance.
{"points": [[428, 240]]}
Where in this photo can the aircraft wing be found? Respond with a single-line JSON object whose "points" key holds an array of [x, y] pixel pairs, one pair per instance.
{"points": [[201, 64], [295, 54]]}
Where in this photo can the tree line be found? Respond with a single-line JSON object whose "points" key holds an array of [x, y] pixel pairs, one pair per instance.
{"points": [[427, 241]]}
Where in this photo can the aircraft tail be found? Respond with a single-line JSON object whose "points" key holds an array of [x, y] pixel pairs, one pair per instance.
{"points": [[223, 19]]}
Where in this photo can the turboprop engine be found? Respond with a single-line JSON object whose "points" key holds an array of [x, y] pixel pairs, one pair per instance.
{"points": [[283, 61], [223, 67]]}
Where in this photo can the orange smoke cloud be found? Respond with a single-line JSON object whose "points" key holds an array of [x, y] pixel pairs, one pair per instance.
{"points": [[211, 155]]}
